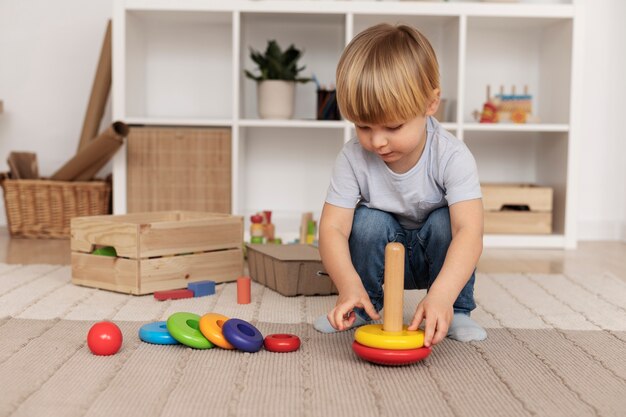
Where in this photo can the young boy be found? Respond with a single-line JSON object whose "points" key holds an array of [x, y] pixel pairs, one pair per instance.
{"points": [[405, 179]]}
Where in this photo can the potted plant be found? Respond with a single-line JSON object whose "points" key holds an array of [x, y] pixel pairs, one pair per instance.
{"points": [[276, 84]]}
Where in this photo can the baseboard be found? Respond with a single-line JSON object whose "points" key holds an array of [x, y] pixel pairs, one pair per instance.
{"points": [[602, 230]]}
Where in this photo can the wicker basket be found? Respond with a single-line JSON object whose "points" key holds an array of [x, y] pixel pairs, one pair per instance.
{"points": [[43, 208]]}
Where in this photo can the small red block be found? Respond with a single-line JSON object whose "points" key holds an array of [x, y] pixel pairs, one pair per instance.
{"points": [[173, 294]]}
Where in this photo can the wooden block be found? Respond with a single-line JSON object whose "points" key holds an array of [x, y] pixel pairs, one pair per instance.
{"points": [[156, 251], [202, 288], [173, 294]]}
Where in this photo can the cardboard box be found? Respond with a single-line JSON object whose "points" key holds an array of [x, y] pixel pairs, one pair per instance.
{"points": [[156, 251], [517, 209], [289, 269]]}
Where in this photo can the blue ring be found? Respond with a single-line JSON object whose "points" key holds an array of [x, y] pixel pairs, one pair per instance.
{"points": [[242, 335], [156, 333]]}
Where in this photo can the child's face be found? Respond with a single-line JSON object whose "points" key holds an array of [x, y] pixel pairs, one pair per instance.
{"points": [[399, 144]]}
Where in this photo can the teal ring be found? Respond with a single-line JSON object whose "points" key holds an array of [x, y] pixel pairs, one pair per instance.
{"points": [[185, 328]]}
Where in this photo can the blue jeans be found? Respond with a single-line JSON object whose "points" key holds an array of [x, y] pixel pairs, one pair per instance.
{"points": [[425, 251]]}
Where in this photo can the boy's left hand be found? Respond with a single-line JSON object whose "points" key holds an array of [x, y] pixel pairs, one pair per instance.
{"points": [[438, 314]]}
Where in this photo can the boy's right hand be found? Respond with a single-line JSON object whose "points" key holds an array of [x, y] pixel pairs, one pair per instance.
{"points": [[342, 316]]}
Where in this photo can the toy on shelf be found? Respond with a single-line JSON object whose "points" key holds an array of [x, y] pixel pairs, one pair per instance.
{"points": [[391, 343], [308, 229], [262, 229], [507, 108]]}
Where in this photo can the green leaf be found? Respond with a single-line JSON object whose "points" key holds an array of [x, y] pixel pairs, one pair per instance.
{"points": [[274, 64]]}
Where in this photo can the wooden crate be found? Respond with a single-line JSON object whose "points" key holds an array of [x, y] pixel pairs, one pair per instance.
{"points": [[156, 251], [517, 209], [179, 168]]}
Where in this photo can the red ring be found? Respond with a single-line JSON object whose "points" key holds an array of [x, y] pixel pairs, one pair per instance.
{"points": [[390, 357], [282, 342]]}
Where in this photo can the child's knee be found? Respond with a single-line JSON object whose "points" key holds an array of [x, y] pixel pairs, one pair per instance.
{"points": [[371, 225], [439, 225]]}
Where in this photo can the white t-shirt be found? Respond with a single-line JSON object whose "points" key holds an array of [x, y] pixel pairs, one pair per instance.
{"points": [[445, 174]]}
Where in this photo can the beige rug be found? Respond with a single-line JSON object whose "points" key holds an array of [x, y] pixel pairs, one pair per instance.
{"points": [[556, 347]]}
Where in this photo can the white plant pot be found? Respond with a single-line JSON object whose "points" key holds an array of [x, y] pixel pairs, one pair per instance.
{"points": [[276, 99]]}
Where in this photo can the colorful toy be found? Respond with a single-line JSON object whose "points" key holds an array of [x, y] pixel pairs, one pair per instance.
{"points": [[104, 338], [157, 334], [202, 288], [506, 108], [282, 342], [173, 294], [391, 343], [243, 290], [243, 335], [211, 327], [185, 328]]}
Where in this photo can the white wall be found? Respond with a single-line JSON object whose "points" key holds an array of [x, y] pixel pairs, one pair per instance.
{"points": [[602, 166], [49, 51], [48, 56]]}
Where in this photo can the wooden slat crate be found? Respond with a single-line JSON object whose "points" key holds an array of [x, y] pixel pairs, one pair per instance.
{"points": [[517, 209], [156, 251]]}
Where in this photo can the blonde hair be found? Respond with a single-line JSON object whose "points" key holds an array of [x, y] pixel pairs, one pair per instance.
{"points": [[386, 74]]}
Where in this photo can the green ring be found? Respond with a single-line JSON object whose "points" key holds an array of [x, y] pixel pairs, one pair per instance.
{"points": [[185, 328]]}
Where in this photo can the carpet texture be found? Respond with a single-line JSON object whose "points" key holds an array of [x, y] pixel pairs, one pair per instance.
{"points": [[556, 347]]}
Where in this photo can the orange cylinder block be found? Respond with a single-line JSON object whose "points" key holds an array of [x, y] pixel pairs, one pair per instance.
{"points": [[243, 290]]}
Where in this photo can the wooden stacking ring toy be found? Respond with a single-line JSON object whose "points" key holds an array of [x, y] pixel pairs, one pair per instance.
{"points": [[184, 327], [391, 343], [243, 335], [282, 342], [390, 357], [157, 334], [211, 327]]}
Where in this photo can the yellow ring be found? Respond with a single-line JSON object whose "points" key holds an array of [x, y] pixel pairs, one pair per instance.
{"points": [[374, 336], [211, 327]]}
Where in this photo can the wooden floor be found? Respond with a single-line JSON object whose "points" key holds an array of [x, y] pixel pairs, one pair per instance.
{"points": [[589, 257]]}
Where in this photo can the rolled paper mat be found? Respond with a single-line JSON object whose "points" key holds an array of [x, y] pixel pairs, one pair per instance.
{"points": [[243, 290], [105, 144], [99, 92]]}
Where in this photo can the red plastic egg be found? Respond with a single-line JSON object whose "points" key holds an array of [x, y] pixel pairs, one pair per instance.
{"points": [[104, 338]]}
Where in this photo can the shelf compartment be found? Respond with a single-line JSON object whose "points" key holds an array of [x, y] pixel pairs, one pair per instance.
{"points": [[321, 37], [178, 65], [286, 171], [507, 52], [524, 158]]}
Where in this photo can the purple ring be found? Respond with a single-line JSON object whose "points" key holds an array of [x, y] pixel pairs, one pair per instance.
{"points": [[242, 335]]}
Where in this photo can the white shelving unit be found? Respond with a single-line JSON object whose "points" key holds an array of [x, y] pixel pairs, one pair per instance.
{"points": [[180, 63]]}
